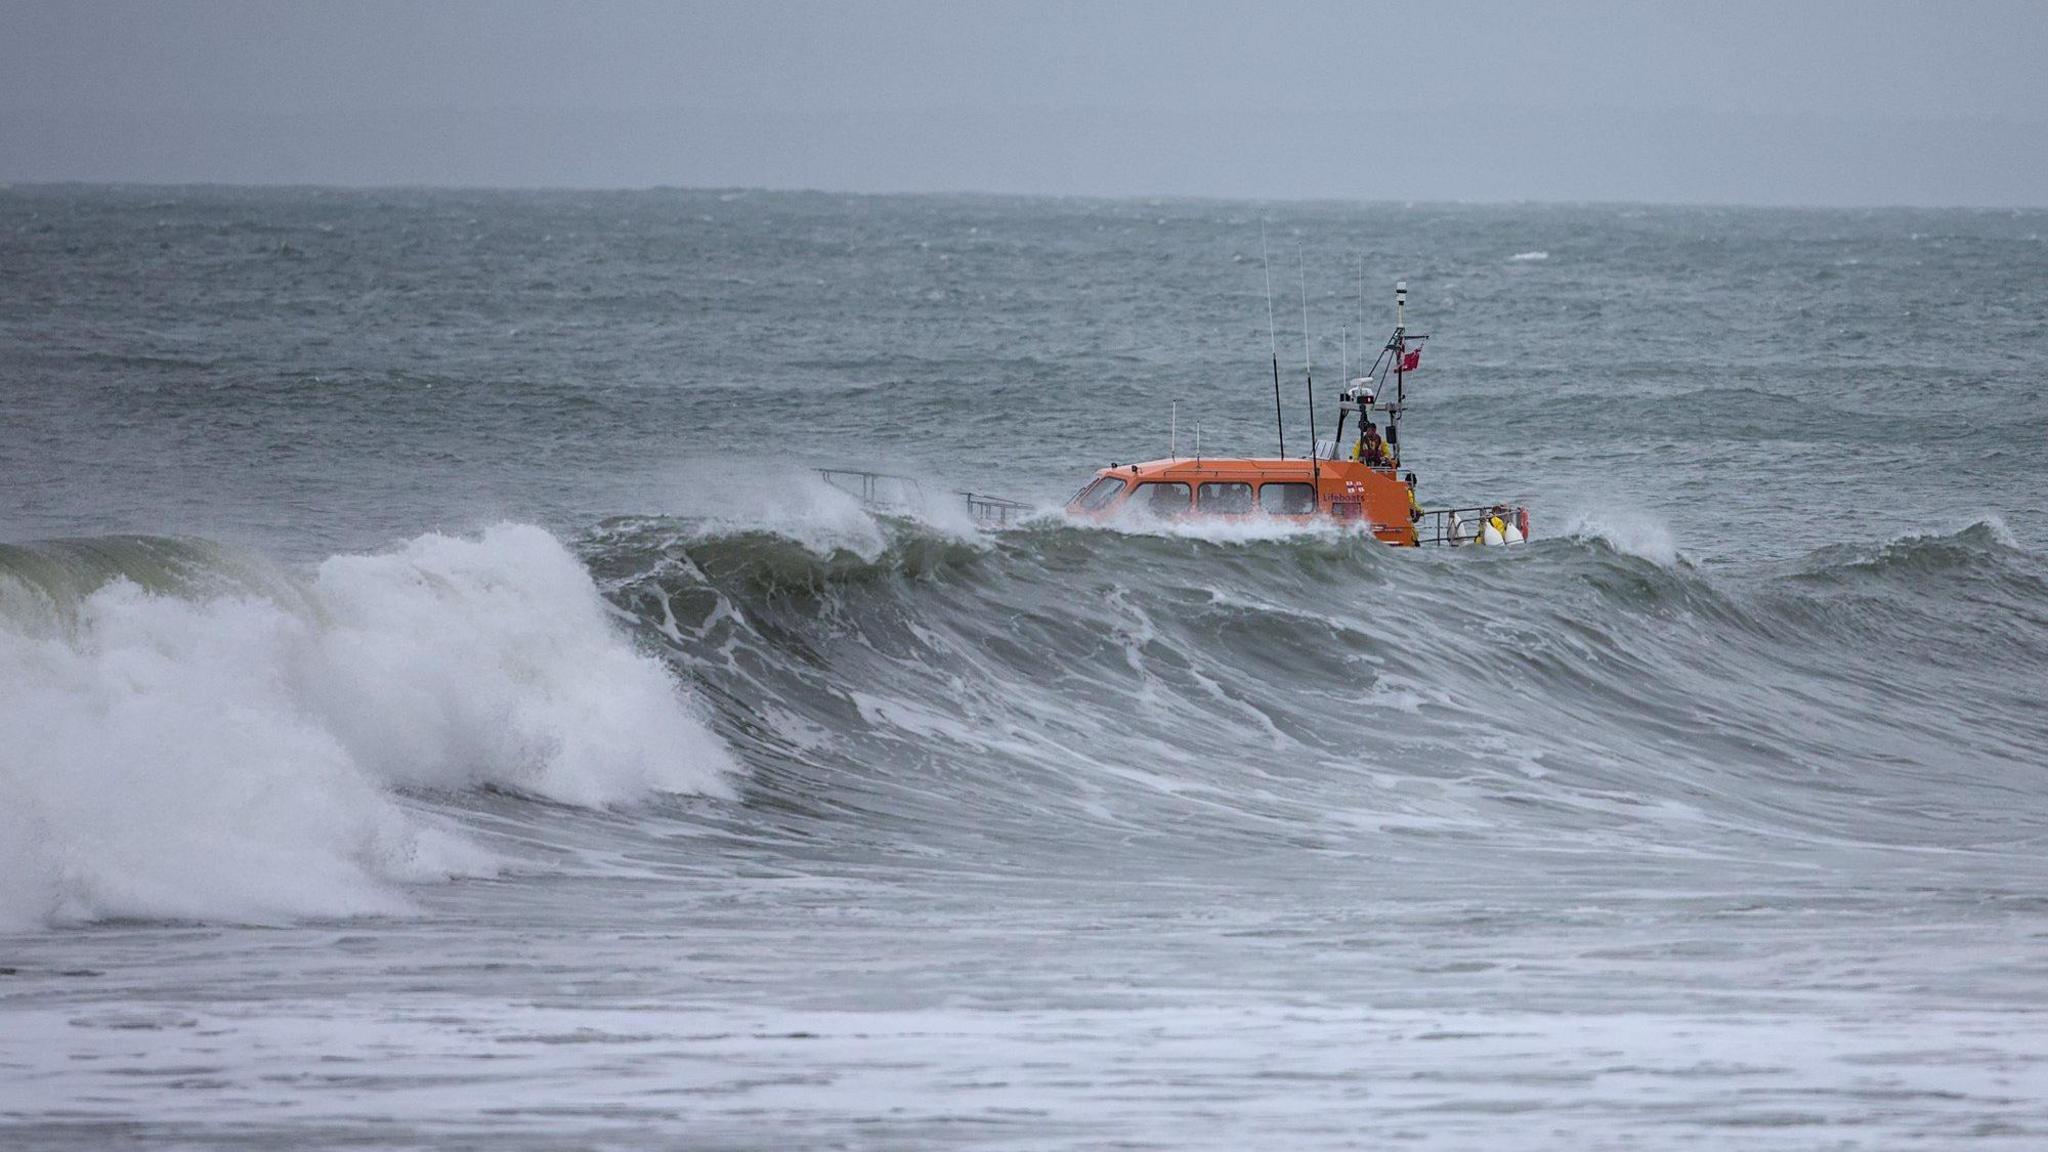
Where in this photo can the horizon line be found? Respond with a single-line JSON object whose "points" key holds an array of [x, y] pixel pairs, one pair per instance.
{"points": [[11, 185]]}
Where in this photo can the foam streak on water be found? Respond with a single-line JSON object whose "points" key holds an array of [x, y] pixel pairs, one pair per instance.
{"points": [[468, 722]]}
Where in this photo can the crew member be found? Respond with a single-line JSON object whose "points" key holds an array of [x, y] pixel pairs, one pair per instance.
{"points": [[1414, 505], [1370, 449]]}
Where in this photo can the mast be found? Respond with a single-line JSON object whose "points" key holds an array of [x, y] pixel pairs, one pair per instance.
{"points": [[1400, 344], [1344, 384], [1272, 340], [1315, 464]]}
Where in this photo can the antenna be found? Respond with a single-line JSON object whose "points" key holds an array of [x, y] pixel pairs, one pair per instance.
{"points": [[1272, 340], [1344, 389], [1400, 350], [1400, 340], [1174, 432], [1307, 370], [1361, 308]]}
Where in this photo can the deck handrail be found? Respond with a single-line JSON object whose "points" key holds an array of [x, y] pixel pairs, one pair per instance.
{"points": [[1458, 525], [870, 484], [869, 488]]}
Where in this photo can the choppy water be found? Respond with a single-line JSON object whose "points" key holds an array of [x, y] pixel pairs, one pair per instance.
{"points": [[438, 707]]}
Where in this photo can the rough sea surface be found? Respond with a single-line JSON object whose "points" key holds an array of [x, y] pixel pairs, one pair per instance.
{"points": [[440, 706]]}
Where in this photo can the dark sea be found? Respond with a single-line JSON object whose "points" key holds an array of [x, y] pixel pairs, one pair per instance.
{"points": [[441, 706]]}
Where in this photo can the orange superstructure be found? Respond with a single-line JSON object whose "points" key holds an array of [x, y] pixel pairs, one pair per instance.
{"points": [[1374, 499]]}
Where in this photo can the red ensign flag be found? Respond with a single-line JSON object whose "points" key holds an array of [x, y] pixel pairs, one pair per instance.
{"points": [[1411, 361]]}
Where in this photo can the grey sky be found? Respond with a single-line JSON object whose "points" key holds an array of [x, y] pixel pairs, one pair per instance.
{"points": [[1853, 103]]}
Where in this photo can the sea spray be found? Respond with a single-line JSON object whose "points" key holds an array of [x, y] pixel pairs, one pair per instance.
{"points": [[233, 756], [710, 499], [1632, 533]]}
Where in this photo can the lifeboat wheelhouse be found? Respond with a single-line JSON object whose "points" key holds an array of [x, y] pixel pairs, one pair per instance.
{"points": [[1376, 499]]}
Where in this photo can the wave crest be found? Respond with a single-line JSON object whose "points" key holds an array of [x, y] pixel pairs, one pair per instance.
{"points": [[1984, 544], [234, 755]]}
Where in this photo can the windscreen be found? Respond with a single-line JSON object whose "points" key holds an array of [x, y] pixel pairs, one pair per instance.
{"points": [[1097, 496]]}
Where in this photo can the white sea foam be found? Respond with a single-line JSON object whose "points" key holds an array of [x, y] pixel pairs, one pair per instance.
{"points": [[1221, 529], [1527, 257], [2000, 531], [232, 757], [798, 504], [1635, 533]]}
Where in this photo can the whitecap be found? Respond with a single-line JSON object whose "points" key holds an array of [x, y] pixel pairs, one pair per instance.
{"points": [[238, 756], [1636, 533]]}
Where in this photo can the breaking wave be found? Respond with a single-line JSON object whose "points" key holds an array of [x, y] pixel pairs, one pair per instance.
{"points": [[203, 736], [1636, 534], [192, 733]]}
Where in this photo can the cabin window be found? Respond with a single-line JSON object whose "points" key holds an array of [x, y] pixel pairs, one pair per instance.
{"points": [[1224, 499], [1287, 499], [1097, 496], [1163, 499]]}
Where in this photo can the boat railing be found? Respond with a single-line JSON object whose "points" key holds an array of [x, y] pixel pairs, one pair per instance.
{"points": [[885, 490], [1455, 526], [891, 492], [994, 511]]}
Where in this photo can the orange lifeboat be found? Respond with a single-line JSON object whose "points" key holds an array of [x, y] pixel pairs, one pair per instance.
{"points": [[1369, 491], [1375, 499]]}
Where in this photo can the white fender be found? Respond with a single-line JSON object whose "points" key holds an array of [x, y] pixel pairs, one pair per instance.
{"points": [[1492, 535], [1514, 533]]}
